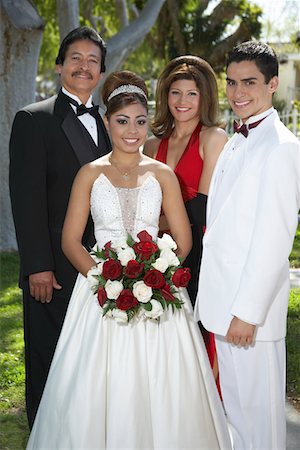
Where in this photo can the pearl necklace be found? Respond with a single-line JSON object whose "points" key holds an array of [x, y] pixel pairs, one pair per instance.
{"points": [[125, 175]]}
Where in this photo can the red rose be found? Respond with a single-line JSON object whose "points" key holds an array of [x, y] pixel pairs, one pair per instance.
{"points": [[145, 249], [107, 247], [144, 236], [166, 292], [126, 300], [154, 279], [112, 269], [181, 277], [102, 296], [133, 269]]}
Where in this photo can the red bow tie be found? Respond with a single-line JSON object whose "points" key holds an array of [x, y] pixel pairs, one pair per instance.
{"points": [[244, 129]]}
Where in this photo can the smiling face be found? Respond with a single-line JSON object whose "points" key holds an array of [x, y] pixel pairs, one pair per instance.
{"points": [[184, 100], [80, 71], [247, 92], [128, 128]]}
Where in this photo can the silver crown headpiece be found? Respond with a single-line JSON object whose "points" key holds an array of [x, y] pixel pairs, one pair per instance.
{"points": [[126, 89]]}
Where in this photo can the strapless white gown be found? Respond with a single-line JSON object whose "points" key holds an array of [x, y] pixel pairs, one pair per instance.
{"points": [[144, 385]]}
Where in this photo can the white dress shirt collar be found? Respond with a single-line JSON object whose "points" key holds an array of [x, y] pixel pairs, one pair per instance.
{"points": [[88, 103], [260, 116]]}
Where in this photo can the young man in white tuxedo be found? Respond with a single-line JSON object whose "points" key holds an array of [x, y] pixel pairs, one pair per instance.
{"points": [[252, 216]]}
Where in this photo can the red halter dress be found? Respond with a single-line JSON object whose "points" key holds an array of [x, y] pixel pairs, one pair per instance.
{"points": [[189, 167], [188, 171]]}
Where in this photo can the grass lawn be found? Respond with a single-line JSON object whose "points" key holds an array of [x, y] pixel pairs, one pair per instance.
{"points": [[295, 254], [13, 422]]}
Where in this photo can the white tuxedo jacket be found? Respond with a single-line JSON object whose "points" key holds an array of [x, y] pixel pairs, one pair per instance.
{"points": [[252, 216]]}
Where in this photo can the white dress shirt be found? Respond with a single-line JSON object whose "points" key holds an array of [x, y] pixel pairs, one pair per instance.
{"points": [[86, 119]]}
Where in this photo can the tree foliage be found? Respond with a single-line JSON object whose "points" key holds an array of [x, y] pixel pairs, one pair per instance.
{"points": [[208, 28], [205, 28]]}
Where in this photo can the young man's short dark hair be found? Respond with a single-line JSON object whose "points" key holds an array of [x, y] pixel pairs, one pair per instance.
{"points": [[262, 54], [81, 34]]}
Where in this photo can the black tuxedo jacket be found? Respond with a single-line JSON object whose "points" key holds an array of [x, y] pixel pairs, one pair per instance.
{"points": [[48, 145]]}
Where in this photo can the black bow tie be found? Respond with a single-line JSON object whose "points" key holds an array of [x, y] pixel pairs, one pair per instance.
{"points": [[244, 129], [93, 110], [82, 109]]}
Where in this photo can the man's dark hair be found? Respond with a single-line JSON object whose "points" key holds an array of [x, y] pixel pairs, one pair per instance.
{"points": [[262, 54], [81, 34]]}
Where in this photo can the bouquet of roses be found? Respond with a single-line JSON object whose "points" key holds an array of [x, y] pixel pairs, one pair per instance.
{"points": [[138, 278]]}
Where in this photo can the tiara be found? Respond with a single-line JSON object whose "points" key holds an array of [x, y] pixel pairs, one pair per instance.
{"points": [[126, 89]]}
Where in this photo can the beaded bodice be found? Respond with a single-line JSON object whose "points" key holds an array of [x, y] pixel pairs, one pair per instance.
{"points": [[119, 211]]}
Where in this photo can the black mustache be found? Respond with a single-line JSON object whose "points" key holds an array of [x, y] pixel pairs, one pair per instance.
{"points": [[74, 74]]}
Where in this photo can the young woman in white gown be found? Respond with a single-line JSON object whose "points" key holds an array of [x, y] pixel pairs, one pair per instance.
{"points": [[146, 384]]}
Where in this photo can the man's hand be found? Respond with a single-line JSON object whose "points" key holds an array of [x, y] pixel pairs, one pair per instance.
{"points": [[240, 333], [41, 286]]}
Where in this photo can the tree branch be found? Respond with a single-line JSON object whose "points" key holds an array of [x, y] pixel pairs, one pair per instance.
{"points": [[178, 36], [218, 55], [122, 13], [96, 22], [130, 37], [23, 14], [68, 16], [224, 10]]}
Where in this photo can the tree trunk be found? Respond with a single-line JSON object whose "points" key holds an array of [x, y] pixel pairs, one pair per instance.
{"points": [[178, 35], [21, 31], [128, 39], [68, 16]]}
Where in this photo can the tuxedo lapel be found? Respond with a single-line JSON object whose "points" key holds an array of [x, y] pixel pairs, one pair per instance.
{"points": [[104, 145], [79, 138], [80, 142]]}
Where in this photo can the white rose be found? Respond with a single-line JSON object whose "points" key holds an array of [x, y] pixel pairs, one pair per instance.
{"points": [[166, 241], [120, 316], [161, 264], [170, 256], [113, 289], [94, 272], [125, 255], [156, 311], [142, 292], [119, 244]]}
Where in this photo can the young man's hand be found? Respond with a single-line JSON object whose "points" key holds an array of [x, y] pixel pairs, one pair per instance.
{"points": [[240, 332]]}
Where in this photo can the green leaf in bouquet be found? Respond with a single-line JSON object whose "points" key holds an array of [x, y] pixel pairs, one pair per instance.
{"points": [[157, 295], [101, 280], [131, 313], [98, 253], [108, 306], [147, 306], [153, 258], [169, 272], [112, 254], [130, 241], [129, 282]]}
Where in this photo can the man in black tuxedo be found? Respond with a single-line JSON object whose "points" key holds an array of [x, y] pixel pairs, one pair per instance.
{"points": [[50, 141]]}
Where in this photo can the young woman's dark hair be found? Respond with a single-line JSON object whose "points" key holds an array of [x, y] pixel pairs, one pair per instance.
{"points": [[123, 82], [262, 54], [82, 34]]}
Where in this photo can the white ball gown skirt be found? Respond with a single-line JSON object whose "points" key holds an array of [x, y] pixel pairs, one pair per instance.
{"points": [[142, 385]]}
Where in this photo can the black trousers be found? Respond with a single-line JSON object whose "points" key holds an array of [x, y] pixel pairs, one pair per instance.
{"points": [[42, 326]]}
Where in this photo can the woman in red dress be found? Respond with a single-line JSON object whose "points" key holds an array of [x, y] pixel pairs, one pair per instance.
{"points": [[188, 138]]}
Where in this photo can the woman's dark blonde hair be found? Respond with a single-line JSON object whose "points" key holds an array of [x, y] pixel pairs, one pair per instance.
{"points": [[186, 67], [121, 78]]}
